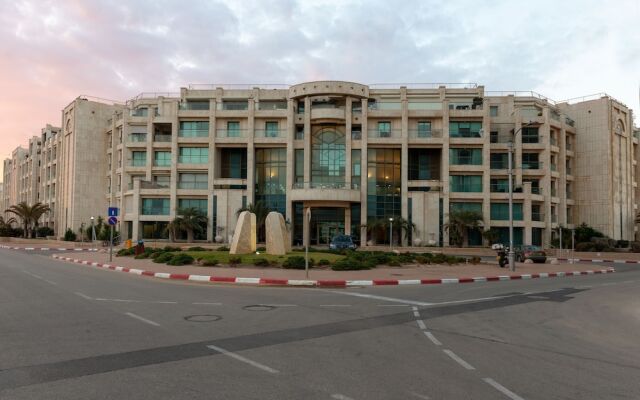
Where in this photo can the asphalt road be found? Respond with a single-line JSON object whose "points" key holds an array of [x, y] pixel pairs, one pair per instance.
{"points": [[73, 332]]}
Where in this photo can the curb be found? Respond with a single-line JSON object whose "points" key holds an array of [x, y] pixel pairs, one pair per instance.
{"points": [[328, 283], [48, 248], [597, 260]]}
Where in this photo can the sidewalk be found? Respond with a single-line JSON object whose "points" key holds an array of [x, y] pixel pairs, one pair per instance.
{"points": [[415, 274]]}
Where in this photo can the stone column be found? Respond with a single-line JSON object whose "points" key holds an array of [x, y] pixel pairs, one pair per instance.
{"points": [[404, 161], [364, 170]]}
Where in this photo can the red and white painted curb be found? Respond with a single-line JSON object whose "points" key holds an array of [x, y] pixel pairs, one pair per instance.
{"points": [[329, 283], [597, 260], [48, 248]]}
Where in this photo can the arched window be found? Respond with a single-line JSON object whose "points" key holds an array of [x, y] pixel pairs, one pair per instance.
{"points": [[328, 156]]}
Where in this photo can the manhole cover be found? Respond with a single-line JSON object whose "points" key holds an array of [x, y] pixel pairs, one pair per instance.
{"points": [[258, 307], [203, 318]]}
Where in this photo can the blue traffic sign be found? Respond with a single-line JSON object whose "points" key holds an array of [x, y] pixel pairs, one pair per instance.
{"points": [[112, 220], [113, 212]]}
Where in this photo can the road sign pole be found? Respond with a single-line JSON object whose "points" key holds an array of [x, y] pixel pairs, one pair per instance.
{"points": [[111, 245]]}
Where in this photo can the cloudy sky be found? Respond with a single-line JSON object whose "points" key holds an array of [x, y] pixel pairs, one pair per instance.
{"points": [[53, 51]]}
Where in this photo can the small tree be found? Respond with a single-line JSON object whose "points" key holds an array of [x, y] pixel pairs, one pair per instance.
{"points": [[190, 220], [460, 221], [491, 235], [69, 235], [29, 215]]}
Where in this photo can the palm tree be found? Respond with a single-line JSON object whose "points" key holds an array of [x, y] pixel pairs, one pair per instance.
{"points": [[379, 227], [460, 222], [190, 219], [261, 211], [29, 215], [8, 222]]}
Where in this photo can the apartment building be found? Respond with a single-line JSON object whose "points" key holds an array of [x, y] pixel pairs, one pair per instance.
{"points": [[351, 153]]}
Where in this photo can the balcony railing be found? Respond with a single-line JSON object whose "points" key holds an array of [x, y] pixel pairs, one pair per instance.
{"points": [[192, 185], [499, 188], [569, 146], [231, 133], [554, 167], [272, 105], [138, 163], [570, 121], [138, 137], [385, 105], [356, 135], [467, 188], [155, 210], [150, 185], [235, 105], [554, 218], [193, 133], [387, 133], [194, 105], [499, 164], [161, 138], [553, 141], [326, 185], [465, 106], [536, 190], [532, 165], [425, 133], [537, 216], [270, 133]]}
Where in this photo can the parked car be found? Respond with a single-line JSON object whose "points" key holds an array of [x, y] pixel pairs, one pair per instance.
{"points": [[340, 242], [533, 253]]}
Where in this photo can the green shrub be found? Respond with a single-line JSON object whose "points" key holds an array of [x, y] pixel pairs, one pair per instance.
{"points": [[171, 248], [295, 262], [585, 246], [474, 260], [394, 263], [350, 264], [125, 252], [223, 248], [209, 261], [162, 257], [422, 260], [69, 235], [324, 261], [261, 249], [196, 248], [180, 259], [406, 258], [235, 260], [261, 262], [44, 231], [635, 247]]}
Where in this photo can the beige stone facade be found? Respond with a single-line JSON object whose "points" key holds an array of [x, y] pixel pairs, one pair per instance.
{"points": [[353, 154]]}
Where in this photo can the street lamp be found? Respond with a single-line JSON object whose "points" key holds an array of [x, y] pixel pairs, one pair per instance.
{"points": [[390, 233], [306, 249], [93, 231]]}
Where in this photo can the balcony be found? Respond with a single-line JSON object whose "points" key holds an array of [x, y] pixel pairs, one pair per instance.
{"points": [[326, 191], [192, 185], [569, 121], [161, 138], [387, 133], [272, 105], [499, 188], [137, 137], [150, 185], [192, 133], [536, 190], [466, 188], [194, 105], [327, 111], [537, 216], [425, 134], [234, 106], [231, 133], [531, 165], [270, 133]]}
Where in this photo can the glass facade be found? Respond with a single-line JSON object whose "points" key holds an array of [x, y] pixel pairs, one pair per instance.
{"points": [[530, 135], [328, 156], [233, 129], [500, 211], [465, 206], [383, 183], [299, 167], [194, 129], [499, 161], [193, 181], [154, 230], [162, 158], [193, 155], [155, 206], [356, 168], [459, 156], [424, 164], [233, 163], [503, 236], [200, 204], [138, 158], [465, 129], [271, 178], [271, 129], [500, 185], [465, 183], [424, 129]]}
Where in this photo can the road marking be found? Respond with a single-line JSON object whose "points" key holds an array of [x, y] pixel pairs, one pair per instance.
{"points": [[207, 304], [278, 305], [84, 296], [118, 300], [457, 359], [339, 396], [472, 300], [335, 305], [393, 305], [165, 302], [389, 299], [502, 389], [148, 321], [420, 396], [433, 338], [41, 278], [421, 324], [243, 359]]}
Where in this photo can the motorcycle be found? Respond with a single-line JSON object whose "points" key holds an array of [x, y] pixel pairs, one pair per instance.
{"points": [[501, 254]]}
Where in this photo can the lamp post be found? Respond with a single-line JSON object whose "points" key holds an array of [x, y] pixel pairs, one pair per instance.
{"points": [[93, 231], [390, 233], [306, 248]]}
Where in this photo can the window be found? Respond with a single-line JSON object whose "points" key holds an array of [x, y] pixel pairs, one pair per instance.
{"points": [[299, 132], [271, 178], [493, 111], [530, 135], [535, 185], [536, 214], [465, 156], [199, 204], [500, 185], [138, 158], [155, 206], [356, 166], [384, 129], [162, 181], [299, 166], [424, 164], [530, 161], [328, 156], [192, 181], [195, 105], [300, 107], [235, 105], [424, 129], [499, 161], [494, 137], [465, 206], [194, 129], [233, 129], [384, 183], [233, 163], [500, 211], [193, 155], [465, 129], [162, 158], [356, 132], [465, 183], [271, 129]]}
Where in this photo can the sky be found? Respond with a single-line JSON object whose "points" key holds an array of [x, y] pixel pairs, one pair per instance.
{"points": [[53, 51]]}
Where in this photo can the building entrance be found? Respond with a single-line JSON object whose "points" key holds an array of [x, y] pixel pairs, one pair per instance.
{"points": [[326, 222]]}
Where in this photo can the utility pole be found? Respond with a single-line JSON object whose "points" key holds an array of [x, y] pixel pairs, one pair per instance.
{"points": [[390, 233], [511, 254]]}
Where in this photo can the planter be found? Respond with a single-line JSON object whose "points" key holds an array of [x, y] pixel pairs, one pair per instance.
{"points": [[219, 239]]}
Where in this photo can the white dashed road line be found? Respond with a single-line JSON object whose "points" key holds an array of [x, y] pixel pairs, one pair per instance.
{"points": [[457, 359], [84, 296], [389, 299], [339, 396], [41, 278], [502, 389], [420, 396], [206, 304], [433, 338], [421, 324], [139, 318], [243, 359], [334, 305]]}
